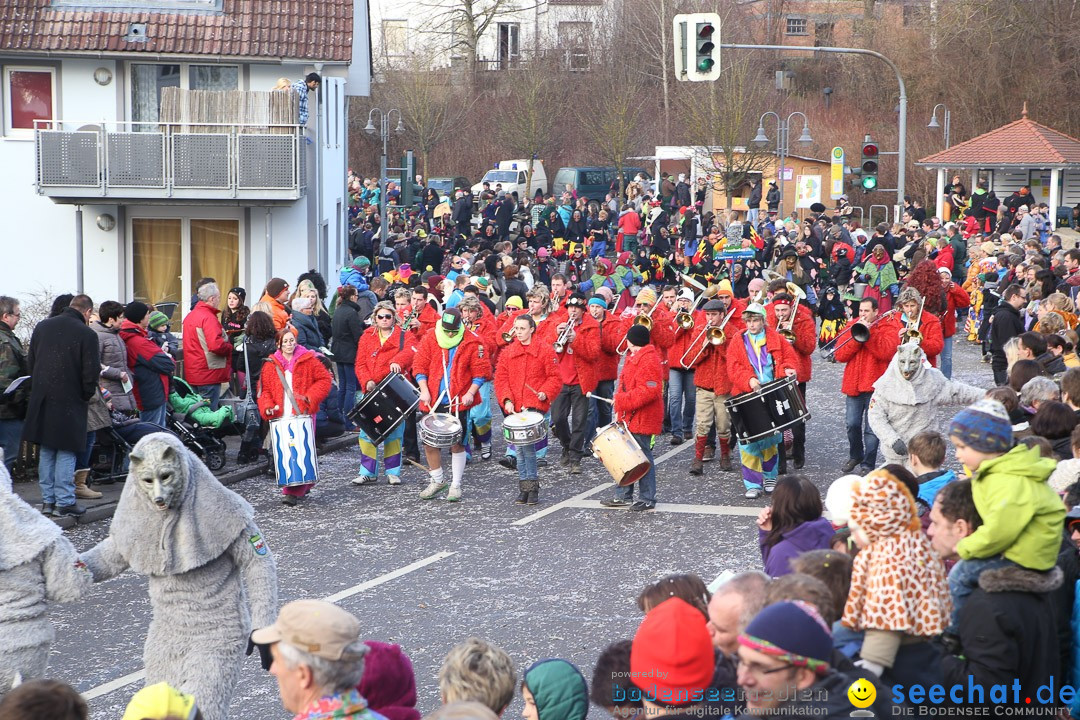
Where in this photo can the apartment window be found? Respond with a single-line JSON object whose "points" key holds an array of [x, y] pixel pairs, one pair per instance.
{"points": [[29, 95], [796, 26], [823, 34], [148, 79], [574, 40], [169, 255], [395, 37], [509, 45]]}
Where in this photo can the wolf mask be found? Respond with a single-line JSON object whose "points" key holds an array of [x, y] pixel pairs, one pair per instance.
{"points": [[909, 360], [160, 473]]}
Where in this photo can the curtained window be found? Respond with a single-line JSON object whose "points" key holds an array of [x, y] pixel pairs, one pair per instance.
{"points": [[215, 252], [156, 258]]}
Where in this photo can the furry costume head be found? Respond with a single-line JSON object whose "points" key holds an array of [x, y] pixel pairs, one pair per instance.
{"points": [[174, 515], [909, 360], [24, 532]]}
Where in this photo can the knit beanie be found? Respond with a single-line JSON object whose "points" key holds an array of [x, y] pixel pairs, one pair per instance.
{"points": [[361, 262], [672, 657], [984, 427], [275, 286], [725, 288], [793, 632], [158, 319], [598, 301], [388, 683], [638, 335], [514, 301], [160, 701], [646, 295], [136, 311]]}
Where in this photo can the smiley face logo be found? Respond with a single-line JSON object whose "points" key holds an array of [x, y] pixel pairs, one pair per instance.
{"points": [[862, 693]]}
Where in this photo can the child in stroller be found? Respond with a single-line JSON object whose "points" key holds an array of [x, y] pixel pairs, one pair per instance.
{"points": [[198, 427]]}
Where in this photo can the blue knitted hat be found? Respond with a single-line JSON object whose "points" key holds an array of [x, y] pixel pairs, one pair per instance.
{"points": [[984, 427], [793, 632]]}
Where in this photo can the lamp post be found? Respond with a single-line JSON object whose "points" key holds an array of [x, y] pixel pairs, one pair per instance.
{"points": [[935, 124], [783, 128], [384, 132]]}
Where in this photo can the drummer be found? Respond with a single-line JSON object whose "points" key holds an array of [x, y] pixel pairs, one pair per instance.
{"points": [[756, 356], [483, 326], [450, 367], [639, 402], [384, 348], [527, 378], [805, 342]]}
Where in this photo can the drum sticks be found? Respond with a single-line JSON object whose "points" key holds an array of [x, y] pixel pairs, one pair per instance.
{"points": [[597, 397]]}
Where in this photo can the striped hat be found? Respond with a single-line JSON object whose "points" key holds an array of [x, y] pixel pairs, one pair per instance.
{"points": [[793, 632], [984, 426]]}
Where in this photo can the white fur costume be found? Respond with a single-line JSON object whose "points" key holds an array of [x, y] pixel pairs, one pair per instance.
{"points": [[902, 407], [207, 562], [37, 565]]}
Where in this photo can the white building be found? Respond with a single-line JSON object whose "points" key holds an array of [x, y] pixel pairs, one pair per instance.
{"points": [[428, 31], [104, 199]]}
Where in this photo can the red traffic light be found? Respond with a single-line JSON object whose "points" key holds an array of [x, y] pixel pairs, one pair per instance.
{"points": [[706, 30], [870, 149]]}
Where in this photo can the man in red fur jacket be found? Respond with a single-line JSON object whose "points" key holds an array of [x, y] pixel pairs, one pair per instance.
{"points": [[639, 402]]}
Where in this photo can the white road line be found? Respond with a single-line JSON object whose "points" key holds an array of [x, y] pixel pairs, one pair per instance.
{"points": [[134, 677], [676, 508], [569, 502]]}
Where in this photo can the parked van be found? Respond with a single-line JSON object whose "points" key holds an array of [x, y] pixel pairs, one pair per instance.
{"points": [[593, 182], [511, 175]]}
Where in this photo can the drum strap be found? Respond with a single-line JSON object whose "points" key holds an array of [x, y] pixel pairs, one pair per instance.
{"points": [[288, 390]]}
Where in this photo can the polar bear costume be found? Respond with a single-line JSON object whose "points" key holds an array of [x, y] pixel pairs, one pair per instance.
{"points": [[211, 572], [905, 398], [38, 565]]}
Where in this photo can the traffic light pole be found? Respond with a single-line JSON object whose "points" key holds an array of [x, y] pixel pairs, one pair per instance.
{"points": [[902, 144]]}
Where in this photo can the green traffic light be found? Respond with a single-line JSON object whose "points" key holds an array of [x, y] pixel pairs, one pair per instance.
{"points": [[705, 64], [869, 183]]}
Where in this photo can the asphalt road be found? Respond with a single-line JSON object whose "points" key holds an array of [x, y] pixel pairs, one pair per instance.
{"points": [[555, 580]]}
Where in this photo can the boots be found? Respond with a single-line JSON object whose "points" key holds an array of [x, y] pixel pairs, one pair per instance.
{"points": [[532, 489], [725, 453], [697, 465], [523, 492], [82, 492]]}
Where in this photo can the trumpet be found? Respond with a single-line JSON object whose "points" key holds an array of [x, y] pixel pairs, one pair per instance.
{"points": [[858, 331], [911, 332], [646, 320], [711, 334], [787, 327], [685, 319], [508, 337], [564, 338]]}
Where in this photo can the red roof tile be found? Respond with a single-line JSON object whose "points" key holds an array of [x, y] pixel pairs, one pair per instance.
{"points": [[240, 30], [1023, 142]]}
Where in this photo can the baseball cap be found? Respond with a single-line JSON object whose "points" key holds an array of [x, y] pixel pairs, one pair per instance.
{"points": [[317, 627], [451, 320]]}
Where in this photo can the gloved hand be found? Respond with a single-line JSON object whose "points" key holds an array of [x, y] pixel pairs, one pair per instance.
{"points": [[265, 658], [871, 666], [899, 447]]}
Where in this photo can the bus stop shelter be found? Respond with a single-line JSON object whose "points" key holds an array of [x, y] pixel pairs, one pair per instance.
{"points": [[1020, 153]]}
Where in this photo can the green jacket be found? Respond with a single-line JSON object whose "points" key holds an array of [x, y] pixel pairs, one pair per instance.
{"points": [[1022, 516], [12, 365]]}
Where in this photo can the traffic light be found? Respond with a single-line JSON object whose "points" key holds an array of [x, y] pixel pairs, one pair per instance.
{"points": [[869, 166], [697, 46]]}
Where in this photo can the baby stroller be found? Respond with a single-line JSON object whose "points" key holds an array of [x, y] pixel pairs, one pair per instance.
{"points": [[198, 427]]}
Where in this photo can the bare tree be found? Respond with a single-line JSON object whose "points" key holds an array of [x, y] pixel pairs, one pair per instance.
{"points": [[530, 123], [464, 22], [610, 120]]}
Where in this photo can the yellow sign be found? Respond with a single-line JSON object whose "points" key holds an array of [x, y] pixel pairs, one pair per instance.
{"points": [[836, 188]]}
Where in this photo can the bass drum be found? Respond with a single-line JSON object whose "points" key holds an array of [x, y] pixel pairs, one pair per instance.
{"points": [[616, 447], [380, 411], [773, 407], [292, 442]]}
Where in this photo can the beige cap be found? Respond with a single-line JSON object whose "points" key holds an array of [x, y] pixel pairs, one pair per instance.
{"points": [[314, 626]]}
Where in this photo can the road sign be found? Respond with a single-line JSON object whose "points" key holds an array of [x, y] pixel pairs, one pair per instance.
{"points": [[836, 188], [697, 46]]}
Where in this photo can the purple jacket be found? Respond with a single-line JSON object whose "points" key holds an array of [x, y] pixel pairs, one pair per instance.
{"points": [[813, 535]]}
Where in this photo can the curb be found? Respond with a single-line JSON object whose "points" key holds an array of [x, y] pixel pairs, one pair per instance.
{"points": [[106, 510]]}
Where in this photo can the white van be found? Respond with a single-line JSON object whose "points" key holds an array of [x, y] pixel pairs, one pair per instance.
{"points": [[511, 175]]}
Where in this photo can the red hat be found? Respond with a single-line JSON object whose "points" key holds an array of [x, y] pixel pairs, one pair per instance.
{"points": [[672, 655], [624, 258]]}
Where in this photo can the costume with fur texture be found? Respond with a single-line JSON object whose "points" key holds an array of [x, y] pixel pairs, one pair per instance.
{"points": [[211, 572], [37, 565], [905, 398]]}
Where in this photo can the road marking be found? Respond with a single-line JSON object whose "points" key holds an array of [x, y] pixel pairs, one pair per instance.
{"points": [[134, 677], [569, 502], [676, 508]]}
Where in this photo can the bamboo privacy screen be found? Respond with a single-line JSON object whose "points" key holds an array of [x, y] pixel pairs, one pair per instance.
{"points": [[254, 110]]}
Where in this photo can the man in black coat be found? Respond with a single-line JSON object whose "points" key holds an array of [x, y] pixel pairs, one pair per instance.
{"points": [[754, 202], [1006, 324], [504, 215], [461, 214], [772, 198], [65, 365]]}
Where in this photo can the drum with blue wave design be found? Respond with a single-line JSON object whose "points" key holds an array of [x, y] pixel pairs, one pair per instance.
{"points": [[292, 441]]}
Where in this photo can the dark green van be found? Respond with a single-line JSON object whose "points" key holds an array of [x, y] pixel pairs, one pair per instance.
{"points": [[592, 182]]}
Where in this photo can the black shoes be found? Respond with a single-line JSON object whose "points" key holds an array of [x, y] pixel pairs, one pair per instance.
{"points": [[615, 503], [73, 509], [289, 500], [509, 462], [643, 505], [850, 465]]}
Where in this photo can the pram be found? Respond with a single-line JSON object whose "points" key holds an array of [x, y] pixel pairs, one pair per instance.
{"points": [[198, 427]]}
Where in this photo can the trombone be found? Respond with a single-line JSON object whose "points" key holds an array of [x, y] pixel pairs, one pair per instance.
{"points": [[711, 334], [787, 327], [911, 331], [646, 320], [564, 338], [685, 319]]}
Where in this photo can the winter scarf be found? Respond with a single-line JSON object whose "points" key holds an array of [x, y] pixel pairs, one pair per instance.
{"points": [[898, 581], [446, 340], [881, 275], [288, 365]]}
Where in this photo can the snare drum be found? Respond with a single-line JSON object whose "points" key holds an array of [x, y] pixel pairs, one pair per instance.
{"points": [[774, 407], [524, 428], [439, 430], [292, 441], [384, 408], [616, 447]]}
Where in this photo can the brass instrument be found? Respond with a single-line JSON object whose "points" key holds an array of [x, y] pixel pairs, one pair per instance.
{"points": [[858, 331], [709, 335], [787, 327], [795, 291], [685, 319], [564, 338], [508, 337], [646, 320], [407, 321], [911, 332]]}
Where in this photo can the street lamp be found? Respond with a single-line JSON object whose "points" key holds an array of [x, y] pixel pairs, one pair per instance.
{"points": [[783, 128], [384, 133], [934, 124]]}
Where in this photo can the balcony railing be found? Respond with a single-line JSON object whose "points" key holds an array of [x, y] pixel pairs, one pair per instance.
{"points": [[206, 162]]}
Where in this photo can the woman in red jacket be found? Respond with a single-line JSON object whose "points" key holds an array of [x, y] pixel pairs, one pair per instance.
{"points": [[450, 367], [639, 402], [756, 356], [527, 378], [298, 368], [383, 348]]}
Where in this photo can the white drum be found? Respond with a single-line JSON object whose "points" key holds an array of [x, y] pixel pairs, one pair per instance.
{"points": [[525, 428], [615, 446], [440, 430], [292, 441]]}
